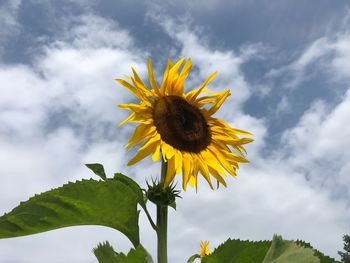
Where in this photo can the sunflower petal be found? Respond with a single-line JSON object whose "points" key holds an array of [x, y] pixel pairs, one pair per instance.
{"points": [[193, 181], [212, 162], [137, 78], [131, 88], [178, 88], [203, 168], [171, 172], [152, 80], [131, 116], [217, 176], [167, 151], [222, 160], [163, 86], [156, 154], [148, 148], [137, 108], [142, 132], [214, 108], [186, 169], [173, 77], [200, 89], [178, 161]]}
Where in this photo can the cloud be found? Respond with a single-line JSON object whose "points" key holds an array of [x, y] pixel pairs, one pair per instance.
{"points": [[329, 54], [323, 134], [296, 71], [8, 21], [207, 59], [57, 115]]}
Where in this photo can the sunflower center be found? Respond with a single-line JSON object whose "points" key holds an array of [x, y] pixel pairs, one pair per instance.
{"points": [[181, 124]]}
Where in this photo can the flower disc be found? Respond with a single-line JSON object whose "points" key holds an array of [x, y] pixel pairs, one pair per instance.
{"points": [[181, 124]]}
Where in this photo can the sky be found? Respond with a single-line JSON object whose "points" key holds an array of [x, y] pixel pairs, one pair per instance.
{"points": [[287, 64]]}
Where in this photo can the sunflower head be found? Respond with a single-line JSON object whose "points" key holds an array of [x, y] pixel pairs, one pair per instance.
{"points": [[204, 251], [177, 126]]}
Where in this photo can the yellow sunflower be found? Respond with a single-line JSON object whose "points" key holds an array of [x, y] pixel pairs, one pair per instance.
{"points": [[178, 127], [205, 251]]}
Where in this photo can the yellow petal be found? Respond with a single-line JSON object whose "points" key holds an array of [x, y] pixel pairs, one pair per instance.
{"points": [[142, 89], [173, 76], [217, 176], [178, 88], [137, 108], [178, 161], [222, 160], [170, 172], [224, 125], [203, 168], [131, 88], [212, 161], [186, 169], [167, 151], [148, 148], [193, 181], [156, 154], [137, 78], [165, 78], [200, 89], [152, 80], [142, 132], [214, 108]]}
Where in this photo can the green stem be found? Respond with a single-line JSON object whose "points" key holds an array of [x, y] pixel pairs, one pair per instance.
{"points": [[150, 218], [162, 223]]}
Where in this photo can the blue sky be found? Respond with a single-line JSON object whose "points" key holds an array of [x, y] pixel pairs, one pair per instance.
{"points": [[286, 63]]}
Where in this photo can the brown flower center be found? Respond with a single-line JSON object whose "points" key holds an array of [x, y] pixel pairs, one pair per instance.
{"points": [[181, 124]]}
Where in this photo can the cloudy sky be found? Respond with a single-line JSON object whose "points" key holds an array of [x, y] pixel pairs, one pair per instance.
{"points": [[287, 64]]}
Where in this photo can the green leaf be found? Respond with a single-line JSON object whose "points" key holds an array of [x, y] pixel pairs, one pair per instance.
{"points": [[285, 251], [238, 251], [323, 258], [98, 169], [133, 186], [193, 258], [173, 205], [275, 251], [106, 254], [88, 202]]}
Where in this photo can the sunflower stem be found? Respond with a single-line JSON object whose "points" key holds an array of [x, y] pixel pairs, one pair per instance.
{"points": [[162, 223]]}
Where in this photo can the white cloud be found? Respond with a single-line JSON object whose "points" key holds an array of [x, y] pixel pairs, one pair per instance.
{"points": [[8, 13], [8, 21], [227, 63], [55, 116], [329, 54], [318, 144], [283, 106], [296, 71], [340, 62]]}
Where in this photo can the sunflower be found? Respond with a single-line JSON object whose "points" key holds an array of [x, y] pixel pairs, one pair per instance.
{"points": [[205, 251], [178, 127]]}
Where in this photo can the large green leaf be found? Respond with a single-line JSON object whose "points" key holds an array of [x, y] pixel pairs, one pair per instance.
{"points": [[275, 251], [108, 203], [106, 254], [98, 169], [239, 251], [323, 258], [285, 251], [133, 186]]}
